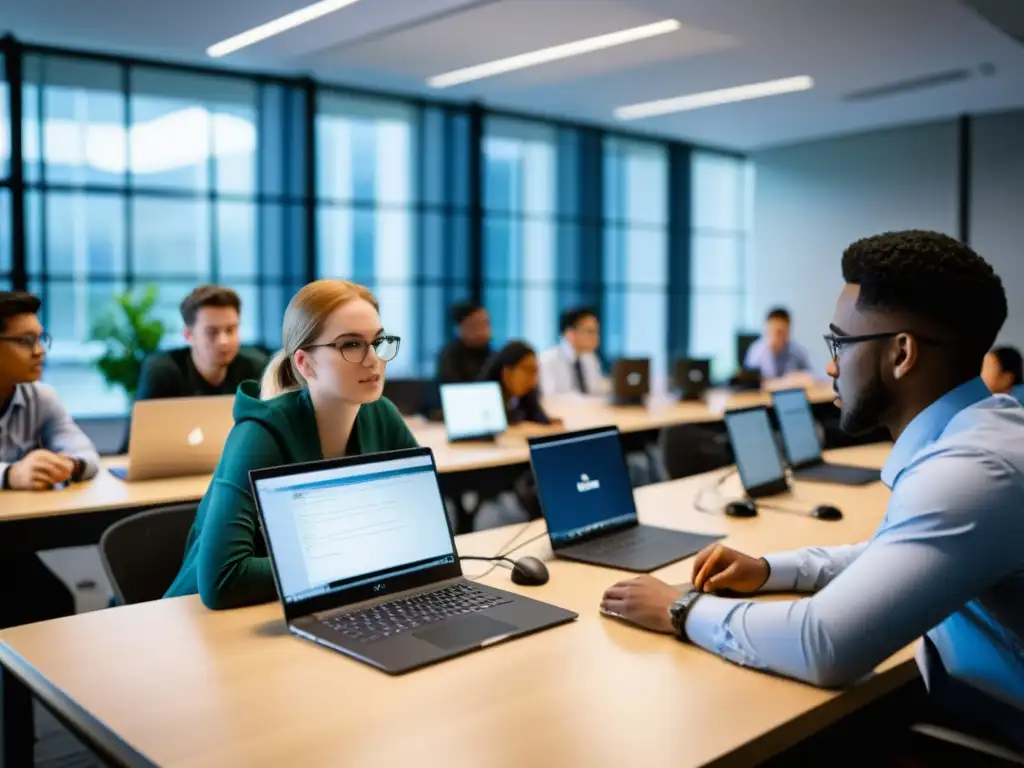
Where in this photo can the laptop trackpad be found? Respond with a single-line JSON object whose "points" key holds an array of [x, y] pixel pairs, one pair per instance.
{"points": [[467, 630]]}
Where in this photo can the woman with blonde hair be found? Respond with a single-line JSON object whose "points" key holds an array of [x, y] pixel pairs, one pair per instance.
{"points": [[320, 398]]}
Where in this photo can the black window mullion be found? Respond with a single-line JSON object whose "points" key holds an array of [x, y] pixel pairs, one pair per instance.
{"points": [[211, 197], [13, 66]]}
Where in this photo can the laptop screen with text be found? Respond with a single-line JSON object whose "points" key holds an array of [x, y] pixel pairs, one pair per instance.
{"points": [[336, 528], [473, 410], [583, 484], [753, 443], [796, 422]]}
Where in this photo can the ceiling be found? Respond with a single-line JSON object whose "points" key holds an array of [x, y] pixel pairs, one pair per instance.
{"points": [[395, 45]]}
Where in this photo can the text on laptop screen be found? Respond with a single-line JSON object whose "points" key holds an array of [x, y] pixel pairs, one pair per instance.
{"points": [[583, 485], [334, 529], [797, 425], [473, 410], [757, 455]]}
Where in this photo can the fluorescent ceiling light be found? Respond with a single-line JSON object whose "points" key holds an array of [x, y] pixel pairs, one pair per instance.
{"points": [[554, 53], [714, 98], [276, 27]]}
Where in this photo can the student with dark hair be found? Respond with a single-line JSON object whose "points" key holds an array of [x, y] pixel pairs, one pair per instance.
{"points": [[41, 448], [213, 362], [573, 366], [463, 358], [514, 367], [775, 354], [1003, 371], [917, 315]]}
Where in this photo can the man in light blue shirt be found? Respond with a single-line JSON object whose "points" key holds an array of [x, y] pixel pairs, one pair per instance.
{"points": [[775, 354], [917, 315]]}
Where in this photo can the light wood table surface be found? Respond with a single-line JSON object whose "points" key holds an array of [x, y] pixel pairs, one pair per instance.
{"points": [[188, 687]]}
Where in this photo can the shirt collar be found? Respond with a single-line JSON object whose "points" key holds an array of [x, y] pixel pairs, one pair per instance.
{"points": [[17, 401], [568, 351], [929, 424]]}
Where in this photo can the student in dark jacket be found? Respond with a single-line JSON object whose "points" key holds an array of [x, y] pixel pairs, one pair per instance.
{"points": [[320, 399], [463, 358], [515, 368]]}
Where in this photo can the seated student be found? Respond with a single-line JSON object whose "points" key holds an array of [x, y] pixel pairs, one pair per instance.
{"points": [[320, 398], [1003, 371], [41, 448], [573, 366], [463, 358], [911, 327], [775, 354], [213, 363], [514, 367]]}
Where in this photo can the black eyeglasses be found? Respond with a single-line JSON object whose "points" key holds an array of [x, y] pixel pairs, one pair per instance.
{"points": [[836, 343], [30, 341], [356, 350]]}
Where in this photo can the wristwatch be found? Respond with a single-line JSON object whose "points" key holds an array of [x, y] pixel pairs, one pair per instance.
{"points": [[680, 609]]}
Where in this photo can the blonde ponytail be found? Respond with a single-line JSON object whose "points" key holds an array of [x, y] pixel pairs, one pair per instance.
{"points": [[279, 376]]}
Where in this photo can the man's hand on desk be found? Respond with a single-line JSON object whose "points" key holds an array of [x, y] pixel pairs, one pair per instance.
{"points": [[40, 470], [643, 601], [719, 569]]}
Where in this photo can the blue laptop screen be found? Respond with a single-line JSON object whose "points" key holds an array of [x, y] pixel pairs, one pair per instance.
{"points": [[757, 455], [797, 425], [333, 529], [583, 484]]}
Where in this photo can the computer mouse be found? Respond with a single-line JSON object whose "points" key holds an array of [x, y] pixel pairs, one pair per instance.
{"points": [[741, 508], [826, 512], [529, 572]]}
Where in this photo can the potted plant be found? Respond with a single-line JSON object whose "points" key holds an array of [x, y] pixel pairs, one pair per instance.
{"points": [[129, 333]]}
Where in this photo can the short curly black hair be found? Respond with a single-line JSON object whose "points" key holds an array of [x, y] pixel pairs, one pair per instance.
{"points": [[934, 277]]}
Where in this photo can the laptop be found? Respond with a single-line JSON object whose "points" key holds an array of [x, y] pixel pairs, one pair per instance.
{"points": [[177, 437], [365, 563], [693, 378], [587, 500], [631, 381], [803, 450], [757, 454], [474, 411]]}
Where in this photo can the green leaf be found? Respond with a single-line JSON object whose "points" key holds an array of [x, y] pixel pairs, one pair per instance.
{"points": [[129, 334]]}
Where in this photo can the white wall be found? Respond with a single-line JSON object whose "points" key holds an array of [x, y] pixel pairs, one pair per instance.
{"points": [[997, 208], [812, 200]]}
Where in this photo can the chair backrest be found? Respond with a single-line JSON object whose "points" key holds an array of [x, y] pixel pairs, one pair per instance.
{"points": [[142, 554]]}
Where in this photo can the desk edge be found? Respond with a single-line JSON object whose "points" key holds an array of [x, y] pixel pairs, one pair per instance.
{"points": [[99, 738]]}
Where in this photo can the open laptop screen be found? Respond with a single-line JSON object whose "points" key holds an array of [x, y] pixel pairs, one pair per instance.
{"points": [[337, 528], [796, 422], [473, 410], [583, 484], [757, 455]]}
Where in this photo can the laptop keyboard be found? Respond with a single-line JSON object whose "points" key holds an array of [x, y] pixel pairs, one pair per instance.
{"points": [[631, 538], [412, 613]]}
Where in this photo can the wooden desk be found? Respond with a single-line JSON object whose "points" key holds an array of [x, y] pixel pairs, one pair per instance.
{"points": [[188, 687]]}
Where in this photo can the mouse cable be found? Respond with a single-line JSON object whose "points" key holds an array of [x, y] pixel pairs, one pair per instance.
{"points": [[501, 551], [498, 560], [716, 487], [779, 508]]}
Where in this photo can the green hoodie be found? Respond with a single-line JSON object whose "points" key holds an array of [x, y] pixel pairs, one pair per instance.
{"points": [[225, 556]]}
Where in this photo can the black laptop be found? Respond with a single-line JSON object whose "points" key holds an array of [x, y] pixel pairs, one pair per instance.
{"points": [[631, 381], [587, 502], [693, 378], [365, 563], [757, 454], [803, 450], [473, 411]]}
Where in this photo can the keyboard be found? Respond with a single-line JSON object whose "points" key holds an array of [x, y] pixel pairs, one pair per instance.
{"points": [[631, 538], [409, 614]]}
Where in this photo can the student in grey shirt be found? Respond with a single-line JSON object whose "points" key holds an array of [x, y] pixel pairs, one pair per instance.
{"points": [[41, 448]]}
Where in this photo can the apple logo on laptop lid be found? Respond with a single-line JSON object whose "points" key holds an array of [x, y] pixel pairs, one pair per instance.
{"points": [[196, 437]]}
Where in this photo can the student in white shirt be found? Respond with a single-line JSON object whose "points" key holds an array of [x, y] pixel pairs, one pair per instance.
{"points": [[573, 366]]}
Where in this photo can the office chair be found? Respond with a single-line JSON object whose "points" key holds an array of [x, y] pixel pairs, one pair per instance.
{"points": [[142, 554], [689, 449]]}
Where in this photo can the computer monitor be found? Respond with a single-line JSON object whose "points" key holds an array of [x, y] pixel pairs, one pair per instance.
{"points": [[796, 423], [693, 377], [474, 411], [583, 484], [756, 452], [631, 379], [744, 341], [350, 532]]}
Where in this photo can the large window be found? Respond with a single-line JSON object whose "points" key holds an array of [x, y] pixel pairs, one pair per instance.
{"points": [[720, 228], [138, 176], [636, 251]]}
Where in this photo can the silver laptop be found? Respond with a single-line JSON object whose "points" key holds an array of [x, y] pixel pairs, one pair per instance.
{"points": [[177, 437], [365, 563], [473, 411]]}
